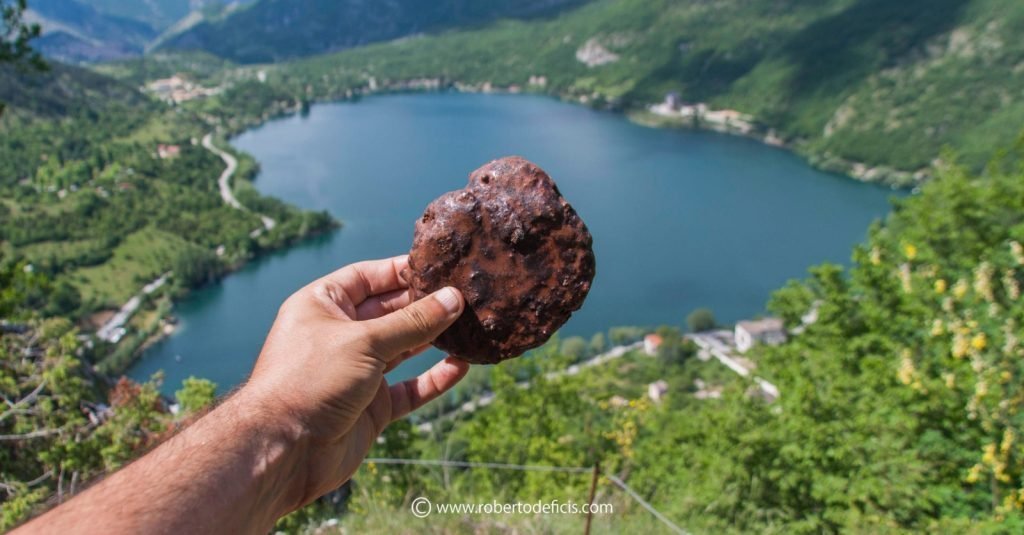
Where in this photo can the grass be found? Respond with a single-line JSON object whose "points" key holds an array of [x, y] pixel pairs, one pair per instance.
{"points": [[138, 259], [61, 252]]}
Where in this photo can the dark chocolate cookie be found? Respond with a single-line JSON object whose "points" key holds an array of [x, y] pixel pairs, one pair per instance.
{"points": [[515, 248]]}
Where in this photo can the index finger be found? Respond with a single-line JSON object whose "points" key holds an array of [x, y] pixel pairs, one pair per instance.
{"points": [[412, 394], [372, 277]]}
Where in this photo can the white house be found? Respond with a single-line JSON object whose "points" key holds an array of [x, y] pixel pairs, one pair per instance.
{"points": [[769, 331], [651, 344], [657, 390]]}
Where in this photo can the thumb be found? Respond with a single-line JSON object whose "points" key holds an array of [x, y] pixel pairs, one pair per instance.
{"points": [[415, 325]]}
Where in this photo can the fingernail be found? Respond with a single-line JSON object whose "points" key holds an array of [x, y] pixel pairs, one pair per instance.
{"points": [[449, 299]]}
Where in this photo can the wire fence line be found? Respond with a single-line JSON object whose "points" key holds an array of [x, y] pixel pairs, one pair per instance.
{"points": [[466, 464], [643, 503], [537, 468]]}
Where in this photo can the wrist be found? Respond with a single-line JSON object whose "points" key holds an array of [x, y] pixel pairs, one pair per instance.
{"points": [[280, 445]]}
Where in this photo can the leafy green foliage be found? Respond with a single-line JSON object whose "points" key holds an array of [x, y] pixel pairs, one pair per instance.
{"points": [[674, 349], [89, 202], [15, 33], [701, 320], [55, 434], [196, 394], [15, 36], [900, 406]]}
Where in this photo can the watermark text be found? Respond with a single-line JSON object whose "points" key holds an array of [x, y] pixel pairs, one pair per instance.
{"points": [[422, 507]]}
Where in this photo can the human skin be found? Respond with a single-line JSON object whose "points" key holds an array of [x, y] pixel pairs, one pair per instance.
{"points": [[300, 427]]}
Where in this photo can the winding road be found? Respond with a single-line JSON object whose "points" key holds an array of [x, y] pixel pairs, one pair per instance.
{"points": [[224, 181]]}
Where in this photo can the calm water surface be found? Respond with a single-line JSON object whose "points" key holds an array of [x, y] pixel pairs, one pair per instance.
{"points": [[680, 219]]}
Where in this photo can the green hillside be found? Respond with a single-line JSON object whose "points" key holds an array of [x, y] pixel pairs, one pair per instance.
{"points": [[899, 407], [888, 84], [63, 91], [91, 204]]}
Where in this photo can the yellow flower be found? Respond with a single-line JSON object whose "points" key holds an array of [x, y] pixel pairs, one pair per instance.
{"points": [[960, 346], [979, 342], [904, 275], [910, 251], [1017, 251], [937, 328], [906, 371], [1007, 443], [940, 286], [1000, 472], [974, 474], [960, 289], [1011, 284], [983, 280], [950, 380], [1005, 377], [1011, 500], [990, 454]]}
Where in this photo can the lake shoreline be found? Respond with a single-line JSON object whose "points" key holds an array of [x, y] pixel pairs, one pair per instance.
{"points": [[159, 333], [533, 116], [857, 171]]}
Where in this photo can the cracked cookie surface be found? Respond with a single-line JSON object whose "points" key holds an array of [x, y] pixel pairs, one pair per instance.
{"points": [[517, 251]]}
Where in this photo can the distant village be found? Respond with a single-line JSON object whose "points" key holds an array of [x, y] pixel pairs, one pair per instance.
{"points": [[673, 107], [178, 89], [727, 346]]}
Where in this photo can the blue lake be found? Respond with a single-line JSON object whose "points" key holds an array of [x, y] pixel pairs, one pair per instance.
{"points": [[680, 219]]}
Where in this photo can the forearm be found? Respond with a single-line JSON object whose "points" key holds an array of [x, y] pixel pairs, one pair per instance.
{"points": [[234, 470], [314, 404]]}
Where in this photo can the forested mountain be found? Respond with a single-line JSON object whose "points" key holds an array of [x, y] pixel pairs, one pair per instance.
{"points": [[90, 31], [273, 30], [158, 14], [75, 32], [887, 84], [62, 92]]}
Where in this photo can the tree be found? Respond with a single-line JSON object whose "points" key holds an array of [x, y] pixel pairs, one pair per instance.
{"points": [[56, 433], [64, 299], [15, 35], [624, 335], [701, 320], [597, 344], [196, 394], [674, 350], [575, 348]]}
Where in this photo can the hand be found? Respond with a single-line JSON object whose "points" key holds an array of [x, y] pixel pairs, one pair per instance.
{"points": [[321, 371], [299, 428]]}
